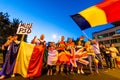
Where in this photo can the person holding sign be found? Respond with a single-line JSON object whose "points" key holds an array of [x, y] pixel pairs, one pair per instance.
{"points": [[10, 59], [5, 46]]}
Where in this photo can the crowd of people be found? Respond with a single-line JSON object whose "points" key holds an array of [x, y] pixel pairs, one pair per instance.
{"points": [[64, 56], [71, 54]]}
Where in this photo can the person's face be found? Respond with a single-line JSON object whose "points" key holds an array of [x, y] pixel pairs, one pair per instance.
{"points": [[87, 43], [15, 37], [113, 45], [10, 37], [79, 42], [81, 38], [62, 38], [42, 37], [52, 48], [93, 41], [103, 46], [70, 40]]}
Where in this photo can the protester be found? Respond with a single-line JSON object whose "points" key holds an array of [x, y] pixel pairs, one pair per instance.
{"points": [[79, 65], [113, 52], [81, 39], [10, 59], [71, 48], [61, 48], [39, 41], [107, 56], [5, 46], [91, 57], [97, 52]]}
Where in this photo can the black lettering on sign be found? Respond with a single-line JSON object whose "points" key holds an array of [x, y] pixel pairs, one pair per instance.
{"points": [[22, 25], [25, 28], [22, 30]]}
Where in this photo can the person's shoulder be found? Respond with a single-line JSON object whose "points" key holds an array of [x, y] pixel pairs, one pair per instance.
{"points": [[55, 50]]}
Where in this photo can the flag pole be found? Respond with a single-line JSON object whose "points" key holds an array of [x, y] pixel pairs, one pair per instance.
{"points": [[86, 35], [22, 39]]}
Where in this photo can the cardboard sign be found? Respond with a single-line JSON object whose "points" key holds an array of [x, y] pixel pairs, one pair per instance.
{"points": [[24, 28]]}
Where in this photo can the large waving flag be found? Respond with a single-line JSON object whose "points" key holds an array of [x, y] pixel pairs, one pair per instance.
{"points": [[29, 60], [105, 12]]}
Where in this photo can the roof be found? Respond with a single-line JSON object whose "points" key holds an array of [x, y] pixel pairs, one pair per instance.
{"points": [[117, 23]]}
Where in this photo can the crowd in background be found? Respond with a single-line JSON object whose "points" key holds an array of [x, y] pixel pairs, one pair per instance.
{"points": [[66, 56], [69, 55]]}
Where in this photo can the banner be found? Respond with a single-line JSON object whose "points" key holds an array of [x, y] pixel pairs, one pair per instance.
{"points": [[24, 28]]}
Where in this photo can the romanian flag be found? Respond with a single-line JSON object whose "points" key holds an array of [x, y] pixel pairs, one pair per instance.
{"points": [[29, 60], [105, 12]]}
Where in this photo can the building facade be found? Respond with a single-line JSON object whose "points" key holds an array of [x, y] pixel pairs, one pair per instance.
{"points": [[108, 36]]}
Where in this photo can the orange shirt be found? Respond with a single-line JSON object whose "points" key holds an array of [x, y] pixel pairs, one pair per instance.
{"points": [[62, 45], [70, 45]]}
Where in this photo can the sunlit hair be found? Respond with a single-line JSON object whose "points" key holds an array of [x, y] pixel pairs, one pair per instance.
{"points": [[42, 36], [87, 44], [9, 37]]}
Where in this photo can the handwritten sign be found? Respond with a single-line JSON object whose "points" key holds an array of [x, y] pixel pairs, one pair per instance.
{"points": [[24, 28]]}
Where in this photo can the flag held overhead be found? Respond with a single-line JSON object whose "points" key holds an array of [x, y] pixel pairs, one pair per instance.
{"points": [[105, 12], [80, 21]]}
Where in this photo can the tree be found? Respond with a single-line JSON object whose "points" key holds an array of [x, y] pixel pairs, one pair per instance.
{"points": [[4, 25], [8, 28], [14, 27]]}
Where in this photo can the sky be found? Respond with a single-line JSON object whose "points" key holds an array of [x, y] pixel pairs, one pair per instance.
{"points": [[50, 17]]}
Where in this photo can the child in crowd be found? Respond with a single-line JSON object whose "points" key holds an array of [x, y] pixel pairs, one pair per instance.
{"points": [[52, 57]]}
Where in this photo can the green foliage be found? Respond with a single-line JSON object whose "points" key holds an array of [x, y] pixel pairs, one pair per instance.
{"points": [[8, 28]]}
